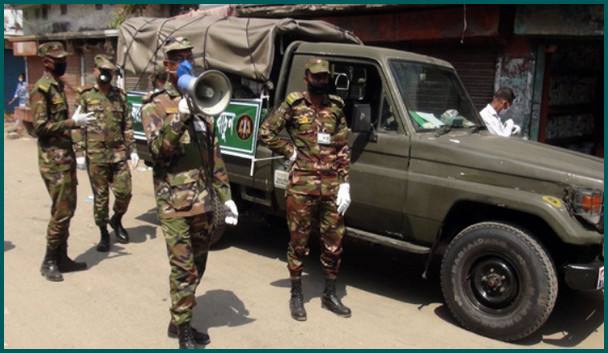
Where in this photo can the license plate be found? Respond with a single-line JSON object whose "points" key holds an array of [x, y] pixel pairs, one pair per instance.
{"points": [[600, 279]]}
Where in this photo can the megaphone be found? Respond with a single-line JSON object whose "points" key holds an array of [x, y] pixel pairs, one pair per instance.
{"points": [[210, 91]]}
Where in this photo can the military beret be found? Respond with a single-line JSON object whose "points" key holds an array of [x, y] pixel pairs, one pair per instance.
{"points": [[316, 66], [52, 49], [176, 43], [103, 61]]}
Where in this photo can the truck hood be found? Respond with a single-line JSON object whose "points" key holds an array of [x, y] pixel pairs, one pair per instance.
{"points": [[512, 156]]}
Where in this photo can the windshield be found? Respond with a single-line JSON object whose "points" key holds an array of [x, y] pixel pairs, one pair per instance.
{"points": [[433, 96]]}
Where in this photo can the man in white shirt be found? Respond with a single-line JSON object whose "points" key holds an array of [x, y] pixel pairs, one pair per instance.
{"points": [[503, 99]]}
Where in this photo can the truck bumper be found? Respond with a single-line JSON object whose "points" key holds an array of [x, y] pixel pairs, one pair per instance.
{"points": [[585, 276]]}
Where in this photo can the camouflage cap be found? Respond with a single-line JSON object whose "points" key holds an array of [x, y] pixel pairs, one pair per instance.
{"points": [[103, 61], [176, 43], [316, 66], [52, 49]]}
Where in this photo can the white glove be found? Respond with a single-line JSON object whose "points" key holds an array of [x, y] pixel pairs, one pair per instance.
{"points": [[82, 119], [343, 200], [289, 162], [134, 160], [233, 217], [81, 163], [182, 107], [516, 129]]}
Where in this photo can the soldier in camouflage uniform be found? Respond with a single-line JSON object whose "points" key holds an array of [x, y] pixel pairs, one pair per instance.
{"points": [[106, 143], [188, 170], [56, 158], [318, 160]]}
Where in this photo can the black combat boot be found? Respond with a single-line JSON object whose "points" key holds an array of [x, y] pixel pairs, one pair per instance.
{"points": [[331, 302], [65, 264], [186, 339], [121, 233], [49, 267], [104, 243], [199, 337], [296, 302]]}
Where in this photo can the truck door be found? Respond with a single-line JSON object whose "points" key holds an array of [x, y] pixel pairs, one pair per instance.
{"points": [[379, 159]]}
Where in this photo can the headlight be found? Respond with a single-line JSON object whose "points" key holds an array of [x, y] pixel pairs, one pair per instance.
{"points": [[587, 204]]}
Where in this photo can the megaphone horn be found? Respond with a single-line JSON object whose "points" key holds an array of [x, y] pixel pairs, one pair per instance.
{"points": [[210, 91]]}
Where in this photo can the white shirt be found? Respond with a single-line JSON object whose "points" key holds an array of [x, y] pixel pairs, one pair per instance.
{"points": [[494, 124]]}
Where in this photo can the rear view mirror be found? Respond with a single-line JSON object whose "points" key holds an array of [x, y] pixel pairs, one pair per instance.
{"points": [[361, 118]]}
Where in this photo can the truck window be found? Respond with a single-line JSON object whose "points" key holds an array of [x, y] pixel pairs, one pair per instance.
{"points": [[433, 96]]}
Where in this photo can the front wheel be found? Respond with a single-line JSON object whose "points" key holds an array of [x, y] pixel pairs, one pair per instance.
{"points": [[498, 281]]}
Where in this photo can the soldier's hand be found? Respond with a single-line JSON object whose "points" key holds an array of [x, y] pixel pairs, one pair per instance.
{"points": [[233, 216], [343, 200], [81, 163], [134, 160], [82, 119], [289, 162], [183, 109]]}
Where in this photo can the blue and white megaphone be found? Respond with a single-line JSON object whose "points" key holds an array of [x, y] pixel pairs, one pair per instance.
{"points": [[210, 91]]}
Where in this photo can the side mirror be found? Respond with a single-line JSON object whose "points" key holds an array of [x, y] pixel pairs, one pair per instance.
{"points": [[361, 118]]}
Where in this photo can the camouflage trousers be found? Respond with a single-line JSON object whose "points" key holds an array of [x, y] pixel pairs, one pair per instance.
{"points": [[301, 211], [102, 177], [187, 247], [61, 185]]}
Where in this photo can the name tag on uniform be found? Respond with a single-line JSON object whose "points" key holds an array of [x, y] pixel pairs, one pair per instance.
{"points": [[199, 126], [323, 138]]}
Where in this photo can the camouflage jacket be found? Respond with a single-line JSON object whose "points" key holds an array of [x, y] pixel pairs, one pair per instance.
{"points": [[50, 112], [109, 139], [188, 165], [319, 138]]}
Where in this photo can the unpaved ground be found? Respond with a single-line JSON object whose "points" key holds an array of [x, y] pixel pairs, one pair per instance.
{"points": [[122, 301]]}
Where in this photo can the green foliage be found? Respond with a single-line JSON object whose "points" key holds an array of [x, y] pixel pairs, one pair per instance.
{"points": [[121, 13]]}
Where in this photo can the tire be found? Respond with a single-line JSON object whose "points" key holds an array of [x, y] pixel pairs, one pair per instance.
{"points": [[498, 281], [219, 220]]}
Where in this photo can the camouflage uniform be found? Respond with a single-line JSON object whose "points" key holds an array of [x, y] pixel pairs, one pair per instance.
{"points": [[106, 142], [56, 159], [315, 176], [188, 170]]}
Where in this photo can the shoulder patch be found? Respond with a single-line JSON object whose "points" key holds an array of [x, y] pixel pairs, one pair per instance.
{"points": [[43, 88], [84, 89], [337, 100], [293, 97]]}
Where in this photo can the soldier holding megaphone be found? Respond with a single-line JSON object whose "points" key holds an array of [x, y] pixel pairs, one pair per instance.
{"points": [[188, 172]]}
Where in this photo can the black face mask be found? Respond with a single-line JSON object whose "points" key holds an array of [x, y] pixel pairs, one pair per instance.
{"points": [[319, 88], [105, 76], [60, 69]]}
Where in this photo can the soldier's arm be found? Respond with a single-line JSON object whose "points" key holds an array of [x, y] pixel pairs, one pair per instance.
{"points": [[43, 125], [342, 149], [270, 129], [128, 127], [78, 135]]}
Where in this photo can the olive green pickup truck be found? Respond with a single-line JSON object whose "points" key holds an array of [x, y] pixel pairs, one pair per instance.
{"points": [[507, 221]]}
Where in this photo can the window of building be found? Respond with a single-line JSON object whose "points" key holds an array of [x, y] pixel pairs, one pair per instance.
{"points": [[64, 9], [98, 6], [45, 12]]}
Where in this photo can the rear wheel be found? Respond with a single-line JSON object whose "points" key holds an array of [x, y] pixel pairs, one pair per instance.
{"points": [[498, 281], [219, 220]]}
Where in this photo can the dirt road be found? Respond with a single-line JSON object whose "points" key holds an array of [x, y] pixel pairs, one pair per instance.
{"points": [[122, 300]]}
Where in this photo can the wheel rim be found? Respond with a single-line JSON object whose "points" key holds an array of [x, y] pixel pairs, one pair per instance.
{"points": [[494, 282]]}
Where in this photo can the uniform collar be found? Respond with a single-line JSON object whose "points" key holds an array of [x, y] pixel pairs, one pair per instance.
{"points": [[171, 90], [325, 102]]}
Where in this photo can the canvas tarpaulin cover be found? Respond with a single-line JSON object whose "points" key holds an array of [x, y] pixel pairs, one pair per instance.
{"points": [[243, 46]]}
